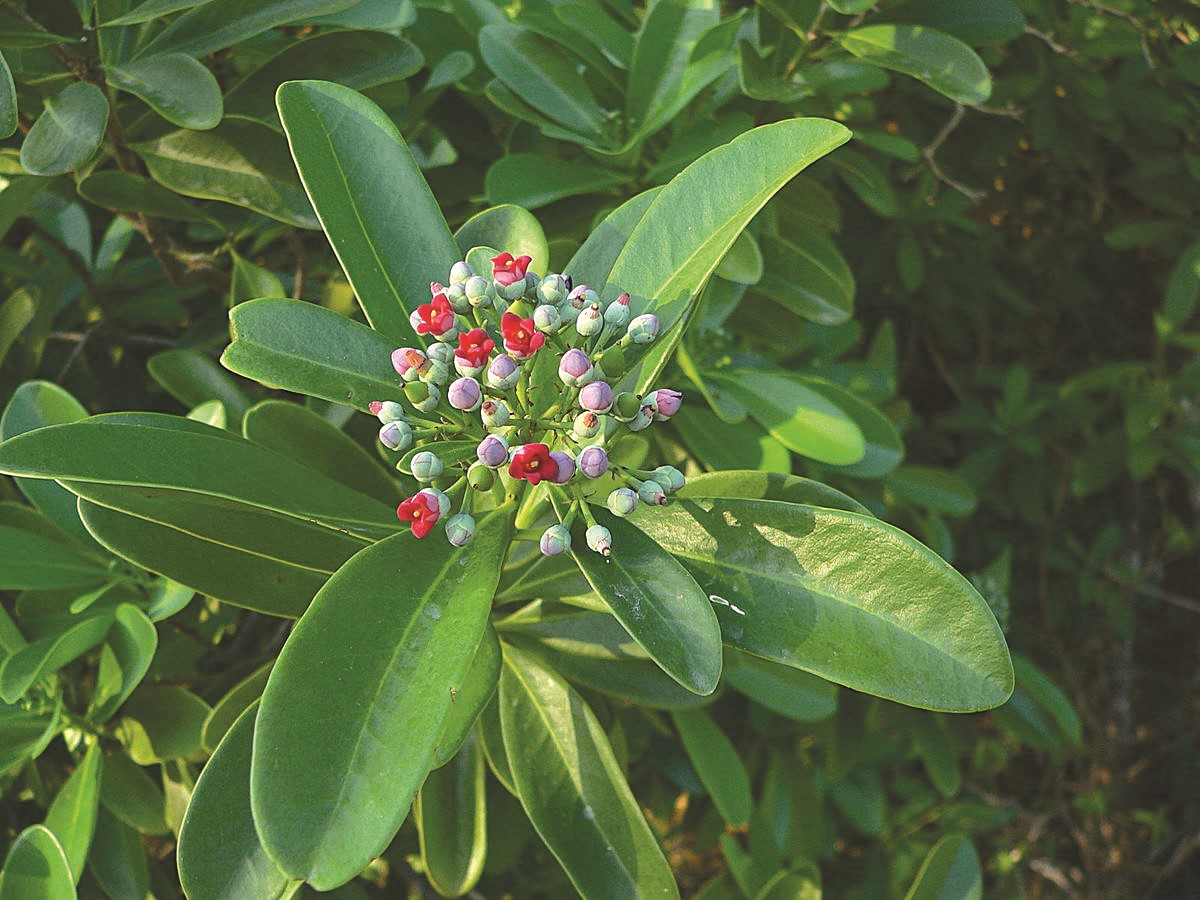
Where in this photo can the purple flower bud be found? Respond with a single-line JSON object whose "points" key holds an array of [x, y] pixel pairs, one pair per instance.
{"points": [[590, 320], [502, 374], [566, 466], [492, 451], [409, 362], [460, 529], [643, 329], [581, 295], [597, 397], [593, 461], [465, 394], [574, 367], [599, 539], [555, 540], [425, 466], [622, 502], [650, 491], [494, 413], [667, 402], [396, 435]]}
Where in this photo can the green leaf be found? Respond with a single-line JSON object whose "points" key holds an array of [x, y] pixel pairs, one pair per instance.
{"points": [[800, 418], [807, 276], [131, 795], [951, 871], [124, 661], [220, 855], [72, 815], [222, 23], [661, 51], [334, 772], [488, 729], [943, 62], [35, 561], [884, 447], [694, 220], [717, 763], [308, 349], [593, 261], [510, 227], [150, 10], [744, 261], [68, 132], [843, 596], [934, 743], [293, 430], [229, 708], [249, 281], [193, 378], [851, 7], [46, 656], [1183, 287], [749, 485], [135, 193], [979, 22], [532, 180], [657, 602], [790, 692], [24, 735], [478, 688], [16, 197], [36, 868], [939, 490], [238, 162], [572, 788], [538, 71], [354, 59], [174, 85], [171, 720], [8, 101], [721, 446], [451, 814], [159, 452], [15, 315], [379, 214], [118, 859]]}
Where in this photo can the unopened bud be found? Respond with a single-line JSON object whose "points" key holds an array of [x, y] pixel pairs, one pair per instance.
{"points": [[442, 353], [458, 298], [492, 451], [590, 320], [626, 406], [582, 295], [666, 402], [566, 466], [479, 291], [597, 397], [388, 411], [437, 373], [612, 363], [587, 425], [396, 435], [650, 491], [460, 529], [643, 329], [555, 540], [546, 318], [593, 461], [480, 477], [643, 419], [617, 313], [409, 363], [425, 466], [423, 396], [460, 272], [465, 394], [599, 539], [502, 373], [494, 413], [670, 478], [574, 367], [553, 290], [622, 502]]}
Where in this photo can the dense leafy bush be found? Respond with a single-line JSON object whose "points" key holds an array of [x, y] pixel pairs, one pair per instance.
{"points": [[973, 321]]}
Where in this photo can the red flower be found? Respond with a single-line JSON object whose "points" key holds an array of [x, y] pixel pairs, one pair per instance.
{"points": [[436, 316], [521, 339], [474, 347], [533, 463], [422, 510], [506, 270]]}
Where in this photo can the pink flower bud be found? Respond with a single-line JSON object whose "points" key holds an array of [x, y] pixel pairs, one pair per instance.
{"points": [[597, 397], [502, 374], [492, 451], [409, 363], [574, 367], [566, 466], [668, 402], [593, 461], [465, 394]]}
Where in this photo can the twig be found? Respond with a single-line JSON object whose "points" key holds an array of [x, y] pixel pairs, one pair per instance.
{"points": [[929, 154], [1049, 41], [148, 340], [1128, 17], [296, 245], [75, 351], [73, 259], [1185, 849], [1150, 591]]}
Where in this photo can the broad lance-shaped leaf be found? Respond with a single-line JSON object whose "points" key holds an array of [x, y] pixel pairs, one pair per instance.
{"points": [[572, 787], [664, 265], [222, 23], [176, 86], [220, 856], [943, 62], [379, 214], [657, 602], [841, 595], [72, 815], [950, 870], [36, 867], [717, 763], [355, 707], [451, 814]]}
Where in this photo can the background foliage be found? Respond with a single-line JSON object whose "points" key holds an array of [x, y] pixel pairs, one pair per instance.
{"points": [[996, 282]]}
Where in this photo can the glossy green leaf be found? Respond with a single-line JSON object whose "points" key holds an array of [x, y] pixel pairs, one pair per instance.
{"points": [[593, 261], [72, 815], [657, 602], [236, 701], [222, 23], [594, 24], [354, 59], [124, 662], [939, 490], [660, 55], [118, 859], [68, 132], [250, 281], [8, 101], [169, 722], [36, 868], [159, 452], [149, 10], [379, 214], [491, 740], [46, 656], [385, 15], [794, 414], [1182, 293], [851, 7], [665, 264], [744, 261], [451, 815], [884, 449], [15, 315], [717, 763], [478, 688], [979, 22], [540, 72], [135, 193], [532, 181], [790, 692], [174, 85], [951, 871], [721, 446], [193, 378], [296, 431], [1038, 712], [749, 485], [572, 788], [934, 743], [16, 197], [511, 227], [311, 350], [844, 596], [238, 162], [220, 855], [24, 735], [943, 62], [808, 277], [132, 796], [34, 561], [334, 772]]}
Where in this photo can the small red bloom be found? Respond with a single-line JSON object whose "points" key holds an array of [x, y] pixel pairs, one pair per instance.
{"points": [[474, 347], [375, 406], [533, 463], [422, 510], [436, 316], [506, 270], [521, 339]]}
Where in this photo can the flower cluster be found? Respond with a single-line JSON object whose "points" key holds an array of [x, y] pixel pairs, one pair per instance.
{"points": [[479, 380]]}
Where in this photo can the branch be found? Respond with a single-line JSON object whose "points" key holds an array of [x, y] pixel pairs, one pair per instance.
{"points": [[929, 153]]}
